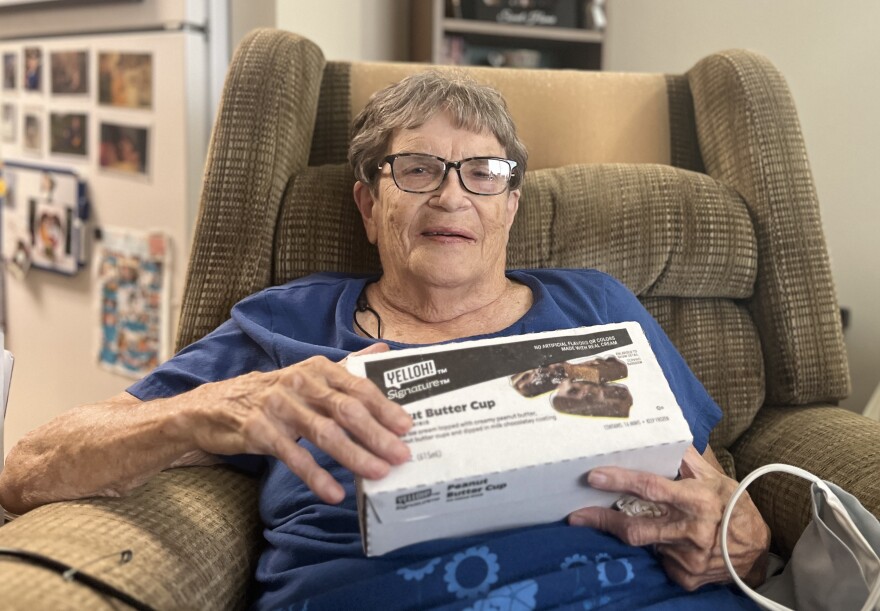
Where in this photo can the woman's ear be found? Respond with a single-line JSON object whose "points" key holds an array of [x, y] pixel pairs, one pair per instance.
{"points": [[365, 201], [512, 206]]}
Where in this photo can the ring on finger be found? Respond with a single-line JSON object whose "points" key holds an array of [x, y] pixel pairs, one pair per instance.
{"points": [[635, 507]]}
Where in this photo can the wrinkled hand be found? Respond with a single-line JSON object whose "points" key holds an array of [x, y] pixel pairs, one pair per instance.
{"points": [[344, 415], [687, 534]]}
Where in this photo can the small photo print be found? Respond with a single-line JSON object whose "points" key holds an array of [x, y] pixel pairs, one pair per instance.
{"points": [[18, 253], [50, 235], [32, 140], [124, 148], [10, 63], [68, 133], [125, 79], [70, 72], [20, 262], [8, 118], [33, 69]]}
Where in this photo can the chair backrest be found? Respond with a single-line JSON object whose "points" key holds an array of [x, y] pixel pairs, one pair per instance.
{"points": [[693, 189]]}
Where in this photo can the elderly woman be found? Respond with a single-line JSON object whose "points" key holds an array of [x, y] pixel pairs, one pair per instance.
{"points": [[438, 167]]}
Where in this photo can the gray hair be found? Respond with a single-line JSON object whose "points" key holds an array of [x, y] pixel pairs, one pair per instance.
{"points": [[414, 100]]}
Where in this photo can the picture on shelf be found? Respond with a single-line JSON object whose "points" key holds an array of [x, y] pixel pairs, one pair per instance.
{"points": [[571, 14], [10, 63], [548, 13], [8, 119], [124, 148], [68, 133], [70, 72], [32, 139], [125, 79], [33, 69]]}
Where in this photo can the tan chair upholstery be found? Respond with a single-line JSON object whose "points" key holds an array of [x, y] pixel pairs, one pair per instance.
{"points": [[693, 189]]}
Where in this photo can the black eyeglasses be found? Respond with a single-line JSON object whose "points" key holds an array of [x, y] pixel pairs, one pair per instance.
{"points": [[420, 173]]}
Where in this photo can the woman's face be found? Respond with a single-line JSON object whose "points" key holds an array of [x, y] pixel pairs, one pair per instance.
{"points": [[448, 237]]}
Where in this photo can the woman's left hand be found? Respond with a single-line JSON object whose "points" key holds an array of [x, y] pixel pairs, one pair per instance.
{"points": [[687, 533]]}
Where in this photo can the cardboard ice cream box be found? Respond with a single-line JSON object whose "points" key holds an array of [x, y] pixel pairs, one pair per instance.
{"points": [[505, 430]]}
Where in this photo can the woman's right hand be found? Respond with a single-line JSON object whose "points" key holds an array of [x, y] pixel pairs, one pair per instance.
{"points": [[344, 415]]}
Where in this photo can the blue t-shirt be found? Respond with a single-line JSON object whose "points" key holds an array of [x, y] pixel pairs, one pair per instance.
{"points": [[313, 557]]}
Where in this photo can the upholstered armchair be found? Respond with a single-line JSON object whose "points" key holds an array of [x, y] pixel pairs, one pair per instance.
{"points": [[693, 189]]}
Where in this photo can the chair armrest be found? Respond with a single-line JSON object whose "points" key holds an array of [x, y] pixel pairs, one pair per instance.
{"points": [[835, 444], [194, 532]]}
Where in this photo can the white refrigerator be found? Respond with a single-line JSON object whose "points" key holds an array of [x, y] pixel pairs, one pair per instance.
{"points": [[136, 143]]}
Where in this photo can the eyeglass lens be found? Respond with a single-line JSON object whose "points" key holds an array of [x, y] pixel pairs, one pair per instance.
{"points": [[423, 173]]}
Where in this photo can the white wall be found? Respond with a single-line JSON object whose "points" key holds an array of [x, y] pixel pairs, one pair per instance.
{"points": [[245, 15], [372, 30], [830, 55]]}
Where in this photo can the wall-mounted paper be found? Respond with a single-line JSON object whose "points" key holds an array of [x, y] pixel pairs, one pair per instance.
{"points": [[132, 270]]}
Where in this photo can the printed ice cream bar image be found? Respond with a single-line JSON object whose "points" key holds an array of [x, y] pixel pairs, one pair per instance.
{"points": [[582, 398], [536, 382], [599, 370]]}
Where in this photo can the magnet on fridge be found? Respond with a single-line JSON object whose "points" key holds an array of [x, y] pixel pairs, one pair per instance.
{"points": [[54, 218]]}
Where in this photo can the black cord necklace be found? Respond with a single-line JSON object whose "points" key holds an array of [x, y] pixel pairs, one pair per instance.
{"points": [[364, 306]]}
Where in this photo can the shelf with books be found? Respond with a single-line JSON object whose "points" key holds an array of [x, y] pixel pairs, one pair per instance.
{"points": [[444, 35], [538, 32]]}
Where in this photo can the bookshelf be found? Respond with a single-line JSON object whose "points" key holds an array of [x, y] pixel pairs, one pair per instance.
{"points": [[439, 37]]}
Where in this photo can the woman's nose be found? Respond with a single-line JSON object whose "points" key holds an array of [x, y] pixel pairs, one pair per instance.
{"points": [[452, 194]]}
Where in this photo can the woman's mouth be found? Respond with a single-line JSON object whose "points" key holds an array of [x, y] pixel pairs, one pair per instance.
{"points": [[448, 235]]}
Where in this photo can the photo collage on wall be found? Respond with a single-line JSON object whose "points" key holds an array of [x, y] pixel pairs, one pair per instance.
{"points": [[78, 106]]}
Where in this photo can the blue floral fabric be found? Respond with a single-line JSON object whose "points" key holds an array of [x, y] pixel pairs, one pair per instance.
{"points": [[493, 575], [313, 557], [314, 561]]}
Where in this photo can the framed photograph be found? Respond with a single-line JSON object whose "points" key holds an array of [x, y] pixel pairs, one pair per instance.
{"points": [[68, 133], [70, 72], [10, 72], [33, 69], [124, 148], [125, 79], [8, 120], [32, 134]]}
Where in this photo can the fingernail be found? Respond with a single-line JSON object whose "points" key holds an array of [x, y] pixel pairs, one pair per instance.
{"points": [[337, 494], [575, 520], [404, 454], [378, 469], [597, 478]]}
